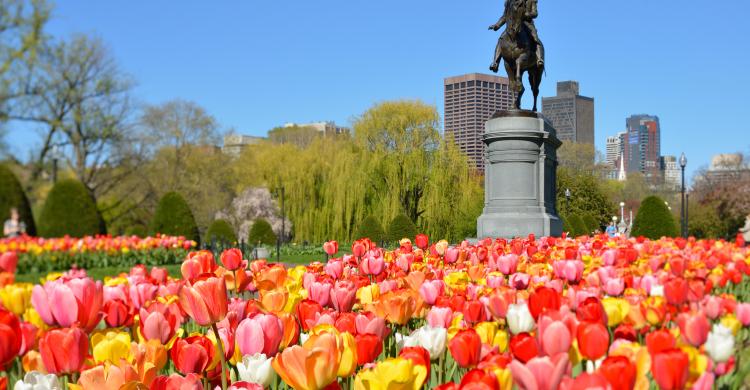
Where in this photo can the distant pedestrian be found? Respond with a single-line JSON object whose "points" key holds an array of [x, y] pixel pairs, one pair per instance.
{"points": [[611, 230], [14, 227], [746, 230]]}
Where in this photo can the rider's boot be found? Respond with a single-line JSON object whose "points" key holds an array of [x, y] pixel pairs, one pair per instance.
{"points": [[539, 57], [494, 67]]}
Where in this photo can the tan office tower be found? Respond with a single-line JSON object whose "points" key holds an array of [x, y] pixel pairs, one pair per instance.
{"points": [[571, 114], [470, 101]]}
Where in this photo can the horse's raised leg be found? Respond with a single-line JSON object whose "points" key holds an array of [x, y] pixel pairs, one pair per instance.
{"points": [[535, 78], [519, 81]]}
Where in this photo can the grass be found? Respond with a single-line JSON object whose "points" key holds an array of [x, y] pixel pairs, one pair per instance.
{"points": [[174, 269]]}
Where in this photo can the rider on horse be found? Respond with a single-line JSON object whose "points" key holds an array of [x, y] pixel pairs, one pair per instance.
{"points": [[531, 12]]}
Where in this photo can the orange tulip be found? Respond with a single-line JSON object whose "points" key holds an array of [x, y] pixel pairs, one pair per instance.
{"points": [[194, 354], [106, 377], [312, 366], [397, 307], [205, 300]]}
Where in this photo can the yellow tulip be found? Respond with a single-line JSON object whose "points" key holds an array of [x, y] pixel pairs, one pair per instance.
{"points": [[491, 334], [368, 294], [504, 379], [731, 322], [110, 346], [698, 362], [392, 374], [16, 297], [32, 316], [348, 359], [456, 280], [617, 310]]}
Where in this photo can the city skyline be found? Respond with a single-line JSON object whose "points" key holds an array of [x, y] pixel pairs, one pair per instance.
{"points": [[241, 49]]}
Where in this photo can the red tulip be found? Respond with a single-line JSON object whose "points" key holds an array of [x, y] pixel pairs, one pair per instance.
{"points": [[176, 381], [474, 312], [676, 291], [8, 262], [117, 313], [10, 337], [466, 347], [588, 381], [593, 340], [358, 249], [331, 248], [619, 371], [205, 299], [417, 355], [369, 347], [343, 295], [29, 334], [670, 369], [543, 299], [523, 346], [591, 310], [422, 241], [64, 350], [658, 341], [345, 322], [192, 355], [306, 313], [478, 380], [232, 259]]}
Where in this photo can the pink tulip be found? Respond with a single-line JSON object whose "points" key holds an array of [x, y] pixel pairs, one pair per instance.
{"points": [[387, 285], [65, 302], [8, 262], [159, 275], [373, 263], [712, 306], [553, 336], [117, 292], [334, 268], [694, 328], [495, 281], [331, 248], [614, 286], [440, 317], [519, 281], [232, 259], [142, 293], [451, 255], [343, 295], [431, 290], [570, 270], [259, 334], [507, 264], [742, 311], [370, 324], [320, 292], [609, 257], [541, 373], [704, 382]]}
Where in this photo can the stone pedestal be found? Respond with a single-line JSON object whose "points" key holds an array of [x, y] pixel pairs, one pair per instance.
{"points": [[520, 177]]}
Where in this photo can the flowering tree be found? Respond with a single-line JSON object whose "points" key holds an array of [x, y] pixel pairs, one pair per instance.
{"points": [[251, 204]]}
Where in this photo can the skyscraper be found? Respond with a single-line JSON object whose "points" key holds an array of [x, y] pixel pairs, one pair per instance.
{"points": [[470, 101], [614, 149], [643, 146], [571, 114]]}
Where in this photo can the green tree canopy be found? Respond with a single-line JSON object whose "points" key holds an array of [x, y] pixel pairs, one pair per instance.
{"points": [[173, 217], [577, 226], [12, 195], [70, 210], [262, 233], [300, 136], [587, 196], [370, 228], [654, 220]]}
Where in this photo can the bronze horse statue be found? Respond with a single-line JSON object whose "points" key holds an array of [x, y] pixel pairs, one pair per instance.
{"points": [[520, 48]]}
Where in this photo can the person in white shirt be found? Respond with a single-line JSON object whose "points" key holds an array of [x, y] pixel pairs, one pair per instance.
{"points": [[14, 227]]}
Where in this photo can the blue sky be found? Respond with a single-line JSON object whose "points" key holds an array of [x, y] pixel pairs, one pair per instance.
{"points": [[257, 64]]}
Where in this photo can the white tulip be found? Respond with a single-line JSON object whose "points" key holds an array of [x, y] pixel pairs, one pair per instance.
{"points": [[519, 318], [303, 337], [657, 290], [433, 340], [720, 343], [37, 381], [256, 369], [406, 341]]}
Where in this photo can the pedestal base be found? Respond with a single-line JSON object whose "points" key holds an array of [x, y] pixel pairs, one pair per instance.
{"points": [[520, 177]]}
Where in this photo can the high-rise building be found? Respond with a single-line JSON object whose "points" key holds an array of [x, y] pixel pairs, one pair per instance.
{"points": [[672, 172], [614, 149], [643, 146], [235, 143], [571, 114], [470, 101], [326, 128]]}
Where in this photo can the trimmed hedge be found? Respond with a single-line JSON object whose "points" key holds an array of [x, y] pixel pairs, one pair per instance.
{"points": [[70, 210], [577, 226], [12, 195], [173, 217], [221, 231], [261, 232], [654, 220], [591, 223], [566, 225], [401, 227], [370, 228]]}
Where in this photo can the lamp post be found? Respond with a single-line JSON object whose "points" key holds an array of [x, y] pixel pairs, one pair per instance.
{"points": [[567, 200], [283, 224], [683, 212], [622, 211]]}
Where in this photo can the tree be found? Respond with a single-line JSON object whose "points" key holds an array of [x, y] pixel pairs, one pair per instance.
{"points": [[401, 227], [591, 222], [577, 226], [250, 205], [300, 136], [222, 232], [726, 188], [261, 233], [705, 222], [587, 197], [12, 195], [173, 217], [654, 220], [70, 210], [402, 136], [370, 228]]}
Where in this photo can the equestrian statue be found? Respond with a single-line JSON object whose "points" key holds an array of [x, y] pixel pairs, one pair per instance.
{"points": [[519, 47]]}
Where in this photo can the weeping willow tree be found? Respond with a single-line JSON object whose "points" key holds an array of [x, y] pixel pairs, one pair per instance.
{"points": [[397, 163]]}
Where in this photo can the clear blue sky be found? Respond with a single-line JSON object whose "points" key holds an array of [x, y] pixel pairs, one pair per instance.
{"points": [[257, 64]]}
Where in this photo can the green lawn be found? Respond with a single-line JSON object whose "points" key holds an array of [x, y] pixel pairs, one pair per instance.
{"points": [[174, 270]]}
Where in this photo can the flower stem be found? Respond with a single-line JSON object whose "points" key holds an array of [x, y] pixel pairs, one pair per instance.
{"points": [[220, 344]]}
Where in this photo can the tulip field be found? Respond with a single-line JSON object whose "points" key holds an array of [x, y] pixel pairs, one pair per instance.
{"points": [[528, 313]]}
